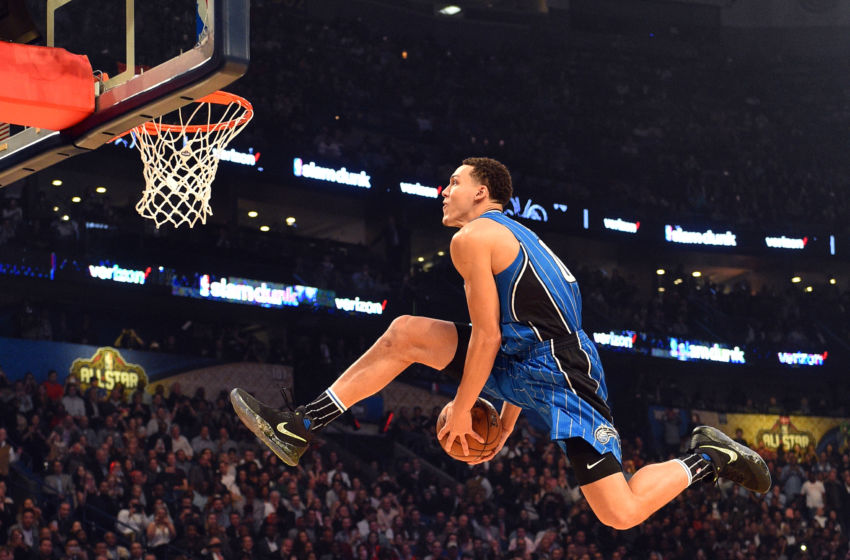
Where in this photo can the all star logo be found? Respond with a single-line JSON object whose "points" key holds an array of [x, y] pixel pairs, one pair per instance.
{"points": [[785, 434], [109, 368]]}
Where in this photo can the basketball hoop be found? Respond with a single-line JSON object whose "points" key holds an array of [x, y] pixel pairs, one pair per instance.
{"points": [[180, 160]]}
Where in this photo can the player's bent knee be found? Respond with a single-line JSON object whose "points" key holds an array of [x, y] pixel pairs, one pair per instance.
{"points": [[399, 326], [403, 329], [413, 338], [396, 333], [400, 337]]}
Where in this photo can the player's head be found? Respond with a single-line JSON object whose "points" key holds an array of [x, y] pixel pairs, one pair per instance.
{"points": [[480, 184]]}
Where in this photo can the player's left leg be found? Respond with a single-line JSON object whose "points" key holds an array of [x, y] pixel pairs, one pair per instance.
{"points": [[623, 504], [619, 503]]}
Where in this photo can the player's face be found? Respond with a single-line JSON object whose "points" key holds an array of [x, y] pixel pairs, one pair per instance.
{"points": [[460, 196]]}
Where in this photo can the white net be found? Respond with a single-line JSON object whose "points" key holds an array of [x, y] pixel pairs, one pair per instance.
{"points": [[180, 160]]}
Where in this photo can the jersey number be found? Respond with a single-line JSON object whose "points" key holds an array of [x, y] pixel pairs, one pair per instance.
{"points": [[568, 276]]}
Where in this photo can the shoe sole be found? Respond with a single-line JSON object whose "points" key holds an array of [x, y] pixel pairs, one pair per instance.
{"points": [[757, 467], [242, 403]]}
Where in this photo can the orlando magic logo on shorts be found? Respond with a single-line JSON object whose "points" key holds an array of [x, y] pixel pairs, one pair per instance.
{"points": [[603, 434]]}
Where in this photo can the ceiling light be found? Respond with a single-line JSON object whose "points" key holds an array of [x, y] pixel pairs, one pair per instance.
{"points": [[264, 228], [696, 274], [290, 221], [55, 208], [809, 289], [56, 182], [440, 253], [660, 272], [100, 190], [76, 199], [796, 280], [421, 259], [253, 214], [450, 10], [661, 288], [65, 218], [678, 281], [833, 281]]}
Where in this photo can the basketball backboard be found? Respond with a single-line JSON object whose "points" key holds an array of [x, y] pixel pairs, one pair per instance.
{"points": [[216, 53]]}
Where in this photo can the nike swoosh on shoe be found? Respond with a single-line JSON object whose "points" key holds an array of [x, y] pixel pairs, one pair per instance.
{"points": [[733, 456], [282, 429]]}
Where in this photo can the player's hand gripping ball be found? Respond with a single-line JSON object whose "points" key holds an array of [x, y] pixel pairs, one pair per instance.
{"points": [[485, 422]]}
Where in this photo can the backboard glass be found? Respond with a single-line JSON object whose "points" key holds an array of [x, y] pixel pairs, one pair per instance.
{"points": [[206, 45]]}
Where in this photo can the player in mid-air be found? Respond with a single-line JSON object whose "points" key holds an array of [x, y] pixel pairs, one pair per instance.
{"points": [[524, 346]]}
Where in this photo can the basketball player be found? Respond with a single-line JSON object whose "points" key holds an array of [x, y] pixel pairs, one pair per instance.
{"points": [[525, 346]]}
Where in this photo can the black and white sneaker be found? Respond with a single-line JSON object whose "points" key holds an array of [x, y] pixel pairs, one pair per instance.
{"points": [[286, 431], [731, 460]]}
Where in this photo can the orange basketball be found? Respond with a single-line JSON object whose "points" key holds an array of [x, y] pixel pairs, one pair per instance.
{"points": [[485, 422]]}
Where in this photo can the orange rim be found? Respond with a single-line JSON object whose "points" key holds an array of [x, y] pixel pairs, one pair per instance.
{"points": [[218, 98]]}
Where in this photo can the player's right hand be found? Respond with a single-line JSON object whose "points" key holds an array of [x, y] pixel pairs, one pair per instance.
{"points": [[457, 426]]}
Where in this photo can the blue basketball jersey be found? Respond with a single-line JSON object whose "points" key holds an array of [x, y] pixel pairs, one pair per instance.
{"points": [[539, 297], [546, 361]]}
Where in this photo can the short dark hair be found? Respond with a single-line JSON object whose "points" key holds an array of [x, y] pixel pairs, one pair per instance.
{"points": [[494, 175]]}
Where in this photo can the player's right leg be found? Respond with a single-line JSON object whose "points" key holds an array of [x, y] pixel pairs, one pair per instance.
{"points": [[288, 431], [408, 340]]}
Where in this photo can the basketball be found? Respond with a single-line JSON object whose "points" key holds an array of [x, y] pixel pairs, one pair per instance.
{"points": [[485, 422]]}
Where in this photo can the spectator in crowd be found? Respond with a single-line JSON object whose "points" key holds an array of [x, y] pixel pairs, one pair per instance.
{"points": [[813, 489], [202, 441], [45, 549], [224, 444], [26, 528], [54, 389], [72, 401], [214, 550], [179, 441], [132, 522], [160, 532], [59, 483]]}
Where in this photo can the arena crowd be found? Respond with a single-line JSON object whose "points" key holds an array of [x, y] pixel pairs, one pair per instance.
{"points": [[170, 475]]}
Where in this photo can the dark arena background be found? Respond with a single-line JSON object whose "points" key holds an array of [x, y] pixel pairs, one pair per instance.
{"points": [[687, 159]]}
